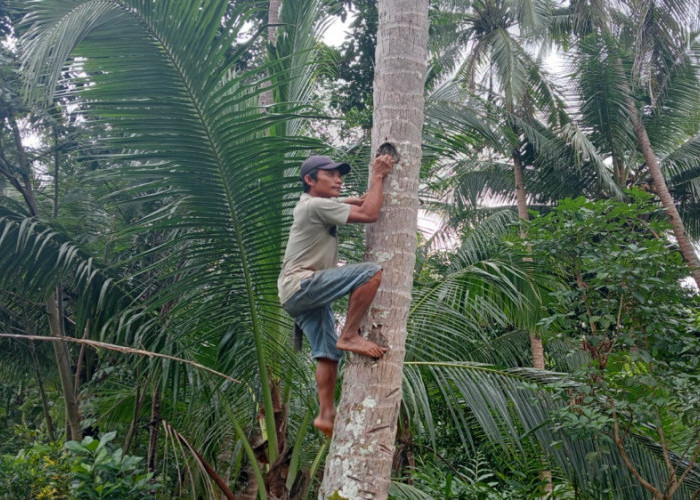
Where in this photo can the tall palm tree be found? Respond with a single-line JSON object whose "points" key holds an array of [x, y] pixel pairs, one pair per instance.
{"points": [[360, 457], [496, 34], [645, 53]]}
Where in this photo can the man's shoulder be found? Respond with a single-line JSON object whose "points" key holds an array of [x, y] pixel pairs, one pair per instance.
{"points": [[325, 210], [318, 202], [307, 198]]}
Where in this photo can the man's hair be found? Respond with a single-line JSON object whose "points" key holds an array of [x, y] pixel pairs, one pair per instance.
{"points": [[314, 175]]}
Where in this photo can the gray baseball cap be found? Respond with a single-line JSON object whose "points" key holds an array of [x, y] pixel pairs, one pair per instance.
{"points": [[322, 163]]}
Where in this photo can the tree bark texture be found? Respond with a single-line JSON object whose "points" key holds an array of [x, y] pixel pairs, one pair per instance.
{"points": [[266, 98], [661, 189], [536, 346], [358, 465]]}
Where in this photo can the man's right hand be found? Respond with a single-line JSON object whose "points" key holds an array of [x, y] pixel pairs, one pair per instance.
{"points": [[372, 204], [381, 166]]}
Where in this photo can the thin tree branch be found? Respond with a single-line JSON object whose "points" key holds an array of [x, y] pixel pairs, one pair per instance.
{"points": [[81, 356], [664, 450], [687, 470], [119, 348], [628, 463], [21, 154], [139, 400]]}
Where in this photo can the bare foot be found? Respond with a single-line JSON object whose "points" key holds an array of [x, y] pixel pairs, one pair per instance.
{"points": [[361, 345], [325, 426]]}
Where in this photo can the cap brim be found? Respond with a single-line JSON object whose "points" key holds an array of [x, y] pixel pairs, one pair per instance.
{"points": [[343, 168]]}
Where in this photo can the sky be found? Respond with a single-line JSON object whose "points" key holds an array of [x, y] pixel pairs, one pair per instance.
{"points": [[337, 31]]}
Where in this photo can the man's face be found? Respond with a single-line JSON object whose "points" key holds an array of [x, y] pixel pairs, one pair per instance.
{"points": [[327, 185]]}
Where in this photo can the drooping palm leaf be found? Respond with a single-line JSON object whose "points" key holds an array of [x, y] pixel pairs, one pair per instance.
{"points": [[35, 257], [603, 97], [184, 124], [682, 168], [511, 407]]}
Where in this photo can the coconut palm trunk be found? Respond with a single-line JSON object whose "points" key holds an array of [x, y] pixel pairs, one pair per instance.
{"points": [[661, 189], [360, 457], [536, 346]]}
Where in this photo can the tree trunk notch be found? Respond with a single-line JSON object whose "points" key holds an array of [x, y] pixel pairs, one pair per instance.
{"points": [[359, 461]]}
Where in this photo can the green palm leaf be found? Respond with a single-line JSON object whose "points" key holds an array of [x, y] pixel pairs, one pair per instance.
{"points": [[35, 257], [511, 407], [188, 129]]}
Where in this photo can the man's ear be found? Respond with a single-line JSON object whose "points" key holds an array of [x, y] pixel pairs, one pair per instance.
{"points": [[309, 180]]}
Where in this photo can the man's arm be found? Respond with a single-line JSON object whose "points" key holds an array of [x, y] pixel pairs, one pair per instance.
{"points": [[355, 201], [368, 211]]}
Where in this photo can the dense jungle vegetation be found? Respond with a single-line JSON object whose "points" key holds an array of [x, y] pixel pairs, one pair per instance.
{"points": [[149, 156]]}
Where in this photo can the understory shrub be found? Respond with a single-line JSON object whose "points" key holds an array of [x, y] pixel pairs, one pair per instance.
{"points": [[90, 469]]}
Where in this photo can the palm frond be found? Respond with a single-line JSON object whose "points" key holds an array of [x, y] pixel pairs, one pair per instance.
{"points": [[674, 99], [511, 408], [603, 95], [185, 128], [35, 257], [511, 64], [402, 491], [480, 297], [566, 164], [455, 121]]}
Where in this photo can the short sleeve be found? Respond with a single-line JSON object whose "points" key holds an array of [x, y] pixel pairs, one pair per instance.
{"points": [[329, 211]]}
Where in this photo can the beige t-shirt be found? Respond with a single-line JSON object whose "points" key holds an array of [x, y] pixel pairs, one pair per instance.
{"points": [[313, 241]]}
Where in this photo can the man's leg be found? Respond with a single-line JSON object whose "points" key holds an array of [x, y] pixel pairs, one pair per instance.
{"points": [[326, 375], [360, 300]]}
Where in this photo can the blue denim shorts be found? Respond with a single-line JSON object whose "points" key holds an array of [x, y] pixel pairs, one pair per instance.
{"points": [[311, 308]]}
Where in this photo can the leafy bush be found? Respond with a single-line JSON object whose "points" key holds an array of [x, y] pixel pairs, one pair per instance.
{"points": [[39, 472], [91, 469], [102, 472], [632, 329], [625, 305], [476, 480]]}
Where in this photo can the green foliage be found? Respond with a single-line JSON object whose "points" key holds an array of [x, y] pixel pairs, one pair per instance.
{"points": [[183, 166], [626, 306], [477, 479], [91, 469], [101, 471], [355, 65], [202, 257], [39, 472]]}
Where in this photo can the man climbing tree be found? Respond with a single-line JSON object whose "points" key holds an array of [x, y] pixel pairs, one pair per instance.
{"points": [[358, 464], [310, 279]]}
